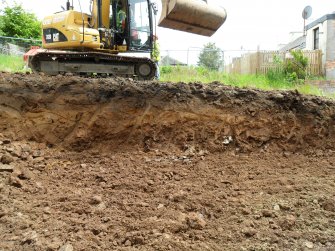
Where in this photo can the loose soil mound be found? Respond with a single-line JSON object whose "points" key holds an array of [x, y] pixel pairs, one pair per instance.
{"points": [[121, 114], [100, 164]]}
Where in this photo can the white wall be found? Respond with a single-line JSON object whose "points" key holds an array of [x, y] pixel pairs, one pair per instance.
{"points": [[322, 39], [326, 44], [330, 51]]}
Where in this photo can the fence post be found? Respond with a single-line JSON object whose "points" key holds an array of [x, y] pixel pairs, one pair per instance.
{"points": [[321, 72], [258, 58]]}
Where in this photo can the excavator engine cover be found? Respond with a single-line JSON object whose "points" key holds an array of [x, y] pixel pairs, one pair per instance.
{"points": [[194, 16]]}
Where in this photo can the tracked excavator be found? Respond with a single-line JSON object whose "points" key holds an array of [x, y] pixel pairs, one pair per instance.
{"points": [[93, 44]]}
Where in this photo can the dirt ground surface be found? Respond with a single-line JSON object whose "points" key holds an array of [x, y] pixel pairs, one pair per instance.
{"points": [[115, 164]]}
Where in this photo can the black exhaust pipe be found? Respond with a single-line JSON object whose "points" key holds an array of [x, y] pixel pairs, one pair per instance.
{"points": [[99, 3], [68, 5]]}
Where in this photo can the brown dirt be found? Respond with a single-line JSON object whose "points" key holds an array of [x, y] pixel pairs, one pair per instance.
{"points": [[101, 164]]}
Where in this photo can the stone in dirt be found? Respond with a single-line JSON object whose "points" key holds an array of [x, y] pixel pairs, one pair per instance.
{"points": [[26, 148], [95, 200], [329, 205], [249, 232], [288, 222], [29, 237], [37, 153], [23, 173], [6, 141], [195, 221], [267, 213], [276, 207], [246, 211], [66, 247], [6, 168], [128, 243], [309, 244], [2, 213], [15, 182], [6, 159]]}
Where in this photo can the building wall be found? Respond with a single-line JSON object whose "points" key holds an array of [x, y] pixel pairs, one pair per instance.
{"points": [[330, 50], [323, 34], [326, 27]]}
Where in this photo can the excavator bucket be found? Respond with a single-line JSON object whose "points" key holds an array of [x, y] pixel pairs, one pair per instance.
{"points": [[194, 16]]}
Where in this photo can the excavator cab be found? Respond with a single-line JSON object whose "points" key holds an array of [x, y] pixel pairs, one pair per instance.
{"points": [[194, 16], [140, 25], [124, 25]]}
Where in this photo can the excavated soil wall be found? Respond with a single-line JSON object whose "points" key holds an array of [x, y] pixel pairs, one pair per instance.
{"points": [[120, 114], [114, 164]]}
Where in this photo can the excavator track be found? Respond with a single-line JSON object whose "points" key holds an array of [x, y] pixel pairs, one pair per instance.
{"points": [[89, 63]]}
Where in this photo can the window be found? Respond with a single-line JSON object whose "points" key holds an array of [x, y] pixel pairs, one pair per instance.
{"points": [[316, 39], [140, 25]]}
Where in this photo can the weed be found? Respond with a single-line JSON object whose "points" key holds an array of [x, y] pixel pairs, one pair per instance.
{"points": [[11, 63]]}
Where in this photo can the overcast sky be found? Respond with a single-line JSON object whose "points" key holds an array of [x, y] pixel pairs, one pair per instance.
{"points": [[250, 23]]}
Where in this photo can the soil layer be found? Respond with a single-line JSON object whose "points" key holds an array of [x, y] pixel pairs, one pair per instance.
{"points": [[116, 164]]}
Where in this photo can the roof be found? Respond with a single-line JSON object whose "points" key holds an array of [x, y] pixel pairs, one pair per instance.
{"points": [[320, 20], [299, 43], [167, 60]]}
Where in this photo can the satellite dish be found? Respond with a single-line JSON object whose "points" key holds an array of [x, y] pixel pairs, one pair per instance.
{"points": [[307, 12]]}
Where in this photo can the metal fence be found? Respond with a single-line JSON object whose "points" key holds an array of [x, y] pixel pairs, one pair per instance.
{"points": [[232, 61], [191, 55], [243, 61], [17, 46]]}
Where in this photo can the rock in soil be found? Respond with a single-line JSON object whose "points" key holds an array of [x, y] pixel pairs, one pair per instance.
{"points": [[6, 168], [66, 247], [6, 159]]}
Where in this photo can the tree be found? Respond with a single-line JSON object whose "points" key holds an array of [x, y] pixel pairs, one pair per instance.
{"points": [[16, 22], [210, 57], [1, 25]]}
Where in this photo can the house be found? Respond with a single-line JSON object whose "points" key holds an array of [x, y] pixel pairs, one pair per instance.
{"points": [[297, 44], [320, 35], [167, 60]]}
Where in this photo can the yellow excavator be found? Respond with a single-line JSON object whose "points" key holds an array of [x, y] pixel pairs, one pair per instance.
{"points": [[93, 43]]}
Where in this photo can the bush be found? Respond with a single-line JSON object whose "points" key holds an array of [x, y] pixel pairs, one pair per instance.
{"points": [[296, 68], [166, 69], [291, 70]]}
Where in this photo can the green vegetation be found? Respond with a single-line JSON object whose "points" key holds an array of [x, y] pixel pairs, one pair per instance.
{"points": [[292, 69], [286, 75], [200, 74], [11, 63], [272, 81], [16, 22], [296, 67]]}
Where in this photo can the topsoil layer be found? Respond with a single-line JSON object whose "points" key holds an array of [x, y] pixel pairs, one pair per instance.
{"points": [[115, 164]]}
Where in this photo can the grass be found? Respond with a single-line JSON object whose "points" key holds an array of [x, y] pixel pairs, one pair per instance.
{"points": [[272, 81], [197, 74], [11, 63]]}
